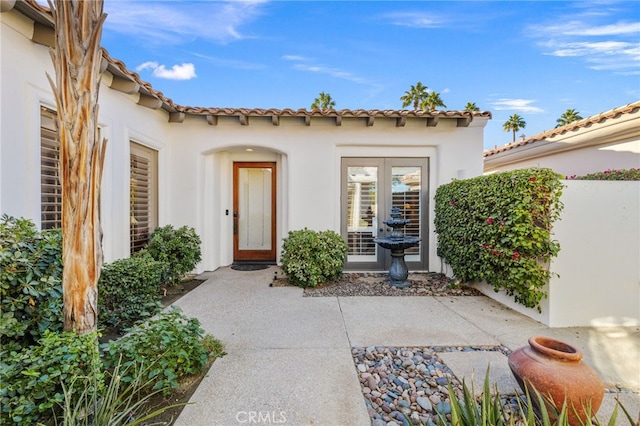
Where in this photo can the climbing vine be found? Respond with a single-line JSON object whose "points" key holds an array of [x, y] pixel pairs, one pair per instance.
{"points": [[497, 228]]}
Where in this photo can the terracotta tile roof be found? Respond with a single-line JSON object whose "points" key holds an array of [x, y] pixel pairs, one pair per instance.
{"points": [[116, 67], [571, 127], [302, 112]]}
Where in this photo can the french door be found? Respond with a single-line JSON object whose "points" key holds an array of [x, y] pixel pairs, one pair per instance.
{"points": [[370, 188], [254, 212]]}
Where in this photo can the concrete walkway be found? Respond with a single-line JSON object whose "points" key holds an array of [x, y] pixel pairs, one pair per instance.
{"points": [[289, 357]]}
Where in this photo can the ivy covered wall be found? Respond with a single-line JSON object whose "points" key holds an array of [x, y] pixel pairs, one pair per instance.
{"points": [[497, 228]]}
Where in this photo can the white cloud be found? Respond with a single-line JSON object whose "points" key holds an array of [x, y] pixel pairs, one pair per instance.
{"points": [[294, 58], [522, 105], [185, 71], [600, 43], [302, 63], [333, 72], [605, 30], [582, 28], [414, 19], [173, 22], [588, 49], [147, 65], [230, 63]]}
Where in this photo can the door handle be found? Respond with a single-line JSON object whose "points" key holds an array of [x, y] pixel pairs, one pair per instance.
{"points": [[235, 223]]}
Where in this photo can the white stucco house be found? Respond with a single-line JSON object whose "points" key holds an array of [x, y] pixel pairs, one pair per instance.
{"points": [[610, 140], [243, 178]]}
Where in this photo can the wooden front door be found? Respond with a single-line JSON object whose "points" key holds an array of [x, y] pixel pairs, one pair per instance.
{"points": [[254, 212]]}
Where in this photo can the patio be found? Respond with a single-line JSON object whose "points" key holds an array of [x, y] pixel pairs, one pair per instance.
{"points": [[290, 357]]}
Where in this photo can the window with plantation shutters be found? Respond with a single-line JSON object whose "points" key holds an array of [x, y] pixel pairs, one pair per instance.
{"points": [[143, 205], [50, 188]]}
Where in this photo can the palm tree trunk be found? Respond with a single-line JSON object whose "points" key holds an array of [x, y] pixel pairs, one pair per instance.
{"points": [[76, 59]]}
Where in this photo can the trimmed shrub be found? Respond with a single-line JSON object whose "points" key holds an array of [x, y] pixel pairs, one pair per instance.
{"points": [[129, 291], [497, 228], [166, 348], [310, 257], [179, 248], [31, 380], [623, 174], [30, 282]]}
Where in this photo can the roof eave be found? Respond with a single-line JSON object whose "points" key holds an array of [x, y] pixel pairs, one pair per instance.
{"points": [[607, 132]]}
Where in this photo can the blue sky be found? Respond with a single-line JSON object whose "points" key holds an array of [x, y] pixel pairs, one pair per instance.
{"points": [[536, 59]]}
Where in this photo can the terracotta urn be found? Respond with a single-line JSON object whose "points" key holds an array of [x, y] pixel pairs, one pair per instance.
{"points": [[556, 370]]}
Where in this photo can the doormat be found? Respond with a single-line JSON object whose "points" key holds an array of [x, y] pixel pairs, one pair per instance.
{"points": [[249, 266]]}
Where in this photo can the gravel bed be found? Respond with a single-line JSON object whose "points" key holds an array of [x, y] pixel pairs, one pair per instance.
{"points": [[406, 386], [376, 284], [402, 385]]}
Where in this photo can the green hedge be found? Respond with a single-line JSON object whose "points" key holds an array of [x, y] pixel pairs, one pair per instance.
{"points": [[623, 174], [497, 228], [129, 291], [30, 282], [179, 248], [310, 257]]}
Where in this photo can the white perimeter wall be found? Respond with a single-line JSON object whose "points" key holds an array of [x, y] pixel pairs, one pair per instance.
{"points": [[590, 159], [599, 261]]}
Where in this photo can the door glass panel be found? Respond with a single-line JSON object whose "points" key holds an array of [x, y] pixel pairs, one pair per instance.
{"points": [[405, 194], [254, 199], [362, 213]]}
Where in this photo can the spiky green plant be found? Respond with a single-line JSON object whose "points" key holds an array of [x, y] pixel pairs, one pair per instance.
{"points": [[488, 410], [116, 404]]}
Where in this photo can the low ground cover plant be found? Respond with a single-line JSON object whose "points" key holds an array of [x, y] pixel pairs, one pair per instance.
{"points": [[311, 257], [48, 376], [178, 248], [497, 228], [31, 379], [171, 344], [51, 382]]}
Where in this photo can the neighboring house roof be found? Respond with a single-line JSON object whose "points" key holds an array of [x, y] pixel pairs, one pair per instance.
{"points": [[566, 129], [131, 83]]}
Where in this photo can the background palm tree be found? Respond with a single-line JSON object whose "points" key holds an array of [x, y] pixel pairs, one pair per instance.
{"points": [[471, 106], [569, 116], [415, 95], [323, 102], [432, 101], [513, 124]]}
